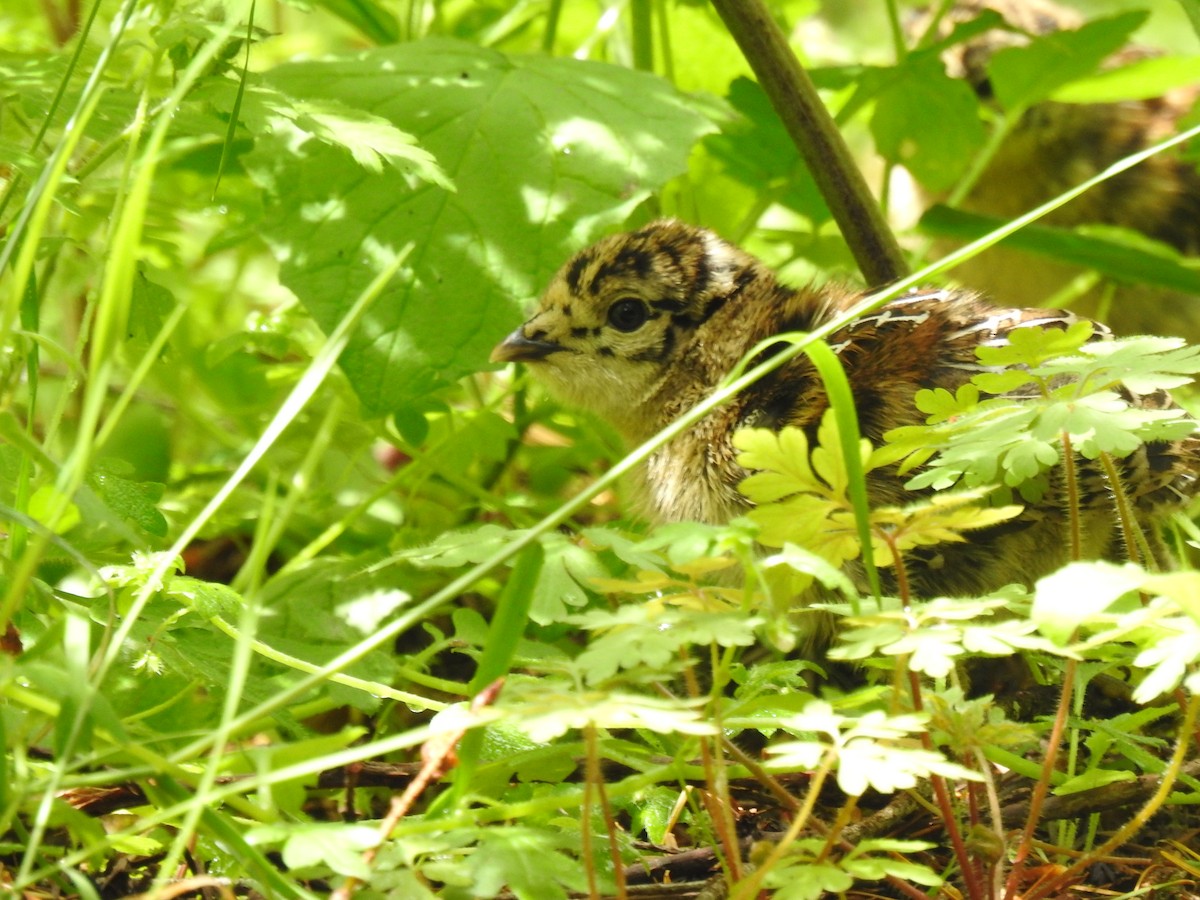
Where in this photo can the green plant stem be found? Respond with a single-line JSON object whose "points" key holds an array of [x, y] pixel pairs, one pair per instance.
{"points": [[641, 26], [375, 688], [1135, 824], [595, 786], [753, 883], [992, 794], [717, 798], [553, 14], [1042, 787], [1131, 531], [665, 54], [1074, 517], [815, 135]]}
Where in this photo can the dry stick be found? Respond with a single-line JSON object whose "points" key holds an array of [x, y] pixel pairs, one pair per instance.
{"points": [[437, 757], [1042, 788], [815, 135]]}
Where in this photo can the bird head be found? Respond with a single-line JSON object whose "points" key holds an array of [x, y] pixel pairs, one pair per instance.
{"points": [[620, 316]]}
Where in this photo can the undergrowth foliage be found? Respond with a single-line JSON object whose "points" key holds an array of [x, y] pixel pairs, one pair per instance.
{"points": [[300, 595]]}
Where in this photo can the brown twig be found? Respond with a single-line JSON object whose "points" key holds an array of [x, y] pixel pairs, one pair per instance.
{"points": [[437, 758], [1042, 787], [816, 136]]}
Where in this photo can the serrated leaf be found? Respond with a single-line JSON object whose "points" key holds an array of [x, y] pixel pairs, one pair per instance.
{"points": [[887, 768], [1004, 382], [545, 711], [1033, 345], [940, 405], [940, 519], [339, 846], [560, 584], [653, 636], [1144, 79], [927, 121], [1066, 599], [133, 501], [808, 881], [1024, 460], [1022, 76], [530, 862], [207, 598], [780, 461], [544, 154]]}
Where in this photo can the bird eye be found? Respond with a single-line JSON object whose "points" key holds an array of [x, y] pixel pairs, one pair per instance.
{"points": [[627, 315]]}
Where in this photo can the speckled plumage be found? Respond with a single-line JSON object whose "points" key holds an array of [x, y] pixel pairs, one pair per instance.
{"points": [[642, 326]]}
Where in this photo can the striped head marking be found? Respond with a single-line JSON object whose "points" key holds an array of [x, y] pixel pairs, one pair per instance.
{"points": [[621, 313]]}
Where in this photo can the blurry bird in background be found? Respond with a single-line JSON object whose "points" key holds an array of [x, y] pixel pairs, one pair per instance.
{"points": [[642, 326], [1055, 146]]}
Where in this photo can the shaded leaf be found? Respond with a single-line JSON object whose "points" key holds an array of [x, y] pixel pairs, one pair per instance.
{"points": [[543, 153]]}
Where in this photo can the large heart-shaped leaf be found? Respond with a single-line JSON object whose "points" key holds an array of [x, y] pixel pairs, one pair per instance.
{"points": [[542, 155]]}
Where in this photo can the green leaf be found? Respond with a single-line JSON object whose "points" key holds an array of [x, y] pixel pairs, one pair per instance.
{"points": [[1022, 76], [651, 812], [928, 122], [1143, 364], [1024, 460], [529, 862], [757, 151], [305, 845], [207, 598], [560, 586], [780, 463], [1121, 260], [652, 635], [941, 406], [512, 615], [1095, 778], [1145, 79], [133, 501], [1169, 660], [545, 711], [44, 501], [808, 881], [544, 153], [888, 768], [1034, 345], [940, 519], [1067, 598]]}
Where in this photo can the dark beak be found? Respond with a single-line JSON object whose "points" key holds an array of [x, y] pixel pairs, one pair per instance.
{"points": [[518, 348]]}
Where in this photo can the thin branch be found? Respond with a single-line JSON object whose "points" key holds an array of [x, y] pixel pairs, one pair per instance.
{"points": [[815, 135]]}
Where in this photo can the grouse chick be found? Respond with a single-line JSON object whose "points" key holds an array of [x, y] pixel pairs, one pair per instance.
{"points": [[642, 326]]}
